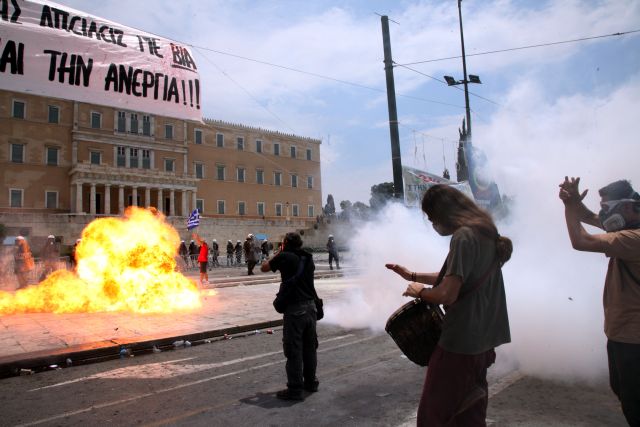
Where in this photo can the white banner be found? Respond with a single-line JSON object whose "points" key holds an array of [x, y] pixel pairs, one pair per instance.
{"points": [[52, 50], [416, 182]]}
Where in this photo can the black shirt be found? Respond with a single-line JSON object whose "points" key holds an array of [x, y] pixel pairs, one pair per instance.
{"points": [[287, 262]]}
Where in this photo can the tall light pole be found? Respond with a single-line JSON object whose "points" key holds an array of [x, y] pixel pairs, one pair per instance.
{"points": [[464, 70], [396, 162], [465, 137], [467, 79]]}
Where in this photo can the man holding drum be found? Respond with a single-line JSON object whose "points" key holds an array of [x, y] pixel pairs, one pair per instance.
{"points": [[471, 288]]}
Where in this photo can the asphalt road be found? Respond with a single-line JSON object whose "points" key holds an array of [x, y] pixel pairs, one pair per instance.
{"points": [[364, 380]]}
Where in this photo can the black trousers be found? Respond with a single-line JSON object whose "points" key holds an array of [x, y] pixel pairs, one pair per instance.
{"points": [[333, 256], [300, 343], [624, 378], [250, 265]]}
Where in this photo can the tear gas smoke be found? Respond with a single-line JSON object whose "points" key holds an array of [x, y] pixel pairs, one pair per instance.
{"points": [[554, 293]]}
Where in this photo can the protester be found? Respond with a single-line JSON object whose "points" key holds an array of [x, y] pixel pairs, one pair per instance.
{"points": [[203, 259], [249, 247], [22, 261], [50, 256], [296, 301], [238, 250], [471, 287], [333, 252], [619, 216], [215, 252], [230, 250]]}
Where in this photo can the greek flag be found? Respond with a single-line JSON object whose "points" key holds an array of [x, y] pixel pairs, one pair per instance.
{"points": [[194, 220]]}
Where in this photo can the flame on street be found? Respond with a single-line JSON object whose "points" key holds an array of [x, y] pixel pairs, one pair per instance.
{"points": [[124, 264]]}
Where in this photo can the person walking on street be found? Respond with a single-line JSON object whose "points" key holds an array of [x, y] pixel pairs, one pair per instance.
{"points": [[215, 252], [203, 259], [619, 217], [23, 262], [333, 252], [74, 255], [50, 257], [265, 249], [230, 251], [296, 301], [471, 287], [238, 250], [184, 253], [250, 254], [194, 252]]}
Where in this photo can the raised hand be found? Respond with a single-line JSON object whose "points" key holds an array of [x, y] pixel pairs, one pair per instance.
{"points": [[570, 192], [400, 270]]}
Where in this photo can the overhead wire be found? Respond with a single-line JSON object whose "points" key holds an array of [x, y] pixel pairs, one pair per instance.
{"points": [[511, 49], [246, 91], [321, 76], [455, 87]]}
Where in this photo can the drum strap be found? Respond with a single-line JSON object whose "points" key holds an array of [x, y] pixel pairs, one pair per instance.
{"points": [[475, 286]]}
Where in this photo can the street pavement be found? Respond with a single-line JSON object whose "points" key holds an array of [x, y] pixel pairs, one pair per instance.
{"points": [[235, 303]]}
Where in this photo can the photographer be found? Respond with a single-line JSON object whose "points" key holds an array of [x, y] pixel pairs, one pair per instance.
{"points": [[295, 300]]}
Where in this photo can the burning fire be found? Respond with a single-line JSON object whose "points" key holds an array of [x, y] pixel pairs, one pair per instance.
{"points": [[123, 264]]}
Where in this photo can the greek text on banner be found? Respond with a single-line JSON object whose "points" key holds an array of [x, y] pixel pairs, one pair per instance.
{"points": [[52, 50]]}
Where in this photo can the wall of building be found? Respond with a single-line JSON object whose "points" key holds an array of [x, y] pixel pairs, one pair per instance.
{"points": [[89, 179]]}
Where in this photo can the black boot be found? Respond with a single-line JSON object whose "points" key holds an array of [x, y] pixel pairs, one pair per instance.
{"points": [[312, 387]]}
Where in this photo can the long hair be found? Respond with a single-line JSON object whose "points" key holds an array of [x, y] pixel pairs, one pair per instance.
{"points": [[453, 209]]}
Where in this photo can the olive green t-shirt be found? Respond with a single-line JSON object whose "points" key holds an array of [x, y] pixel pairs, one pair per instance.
{"points": [[621, 297], [477, 321]]}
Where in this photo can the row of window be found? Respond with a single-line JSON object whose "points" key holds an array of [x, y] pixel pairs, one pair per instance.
{"points": [[241, 175], [125, 122], [143, 124], [16, 200], [293, 150], [142, 158], [279, 208], [19, 111]]}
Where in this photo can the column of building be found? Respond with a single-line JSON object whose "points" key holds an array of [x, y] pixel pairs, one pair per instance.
{"points": [[185, 208]]}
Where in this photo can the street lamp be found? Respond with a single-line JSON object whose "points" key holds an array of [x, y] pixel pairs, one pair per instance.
{"points": [[453, 82], [470, 79]]}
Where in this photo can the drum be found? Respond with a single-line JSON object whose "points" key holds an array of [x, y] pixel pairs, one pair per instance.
{"points": [[415, 327]]}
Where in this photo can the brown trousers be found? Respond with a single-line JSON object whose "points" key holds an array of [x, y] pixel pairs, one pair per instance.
{"points": [[455, 391]]}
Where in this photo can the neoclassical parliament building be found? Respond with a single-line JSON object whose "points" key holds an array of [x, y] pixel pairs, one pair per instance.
{"points": [[64, 158]]}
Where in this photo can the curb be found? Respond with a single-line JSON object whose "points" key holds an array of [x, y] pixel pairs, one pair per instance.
{"points": [[99, 351], [29, 363]]}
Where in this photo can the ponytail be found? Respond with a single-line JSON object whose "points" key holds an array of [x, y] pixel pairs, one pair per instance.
{"points": [[504, 247]]}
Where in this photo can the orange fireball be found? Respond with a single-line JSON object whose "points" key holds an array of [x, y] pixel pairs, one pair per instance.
{"points": [[123, 264]]}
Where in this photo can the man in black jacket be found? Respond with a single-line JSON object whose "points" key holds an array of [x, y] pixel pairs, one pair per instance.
{"points": [[296, 301]]}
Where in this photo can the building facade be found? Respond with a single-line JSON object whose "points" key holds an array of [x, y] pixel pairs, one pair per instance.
{"points": [[66, 157]]}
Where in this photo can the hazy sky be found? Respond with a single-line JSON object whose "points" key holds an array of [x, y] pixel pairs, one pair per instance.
{"points": [[554, 93]]}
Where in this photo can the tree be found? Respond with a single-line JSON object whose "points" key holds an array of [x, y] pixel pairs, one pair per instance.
{"points": [[330, 207], [346, 207], [360, 210], [380, 195]]}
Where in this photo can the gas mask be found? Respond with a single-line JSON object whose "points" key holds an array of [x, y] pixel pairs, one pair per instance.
{"points": [[610, 217]]}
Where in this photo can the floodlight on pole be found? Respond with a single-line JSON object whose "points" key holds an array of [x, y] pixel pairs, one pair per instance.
{"points": [[451, 81]]}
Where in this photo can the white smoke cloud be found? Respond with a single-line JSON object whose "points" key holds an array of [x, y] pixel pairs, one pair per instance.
{"points": [[554, 293]]}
